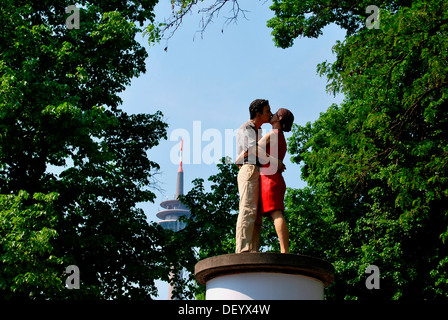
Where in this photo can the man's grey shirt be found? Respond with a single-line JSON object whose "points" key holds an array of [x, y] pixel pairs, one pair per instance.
{"points": [[246, 138]]}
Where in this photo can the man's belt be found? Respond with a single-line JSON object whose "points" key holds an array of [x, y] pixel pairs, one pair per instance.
{"points": [[258, 164]]}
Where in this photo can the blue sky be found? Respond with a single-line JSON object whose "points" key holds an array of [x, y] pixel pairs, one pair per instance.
{"points": [[205, 85]]}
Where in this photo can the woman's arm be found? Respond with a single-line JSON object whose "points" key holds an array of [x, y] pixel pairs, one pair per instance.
{"points": [[260, 152]]}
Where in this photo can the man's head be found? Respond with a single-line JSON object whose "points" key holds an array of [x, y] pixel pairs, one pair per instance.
{"points": [[260, 110]]}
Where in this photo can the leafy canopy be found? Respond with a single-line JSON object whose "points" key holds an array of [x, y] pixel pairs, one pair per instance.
{"points": [[73, 165], [376, 164]]}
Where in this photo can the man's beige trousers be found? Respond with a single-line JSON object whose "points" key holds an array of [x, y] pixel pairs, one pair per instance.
{"points": [[249, 223]]}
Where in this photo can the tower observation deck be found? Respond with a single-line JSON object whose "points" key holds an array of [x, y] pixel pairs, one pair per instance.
{"points": [[174, 209]]}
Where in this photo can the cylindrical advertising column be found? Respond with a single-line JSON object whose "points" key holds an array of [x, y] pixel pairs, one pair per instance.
{"points": [[264, 276]]}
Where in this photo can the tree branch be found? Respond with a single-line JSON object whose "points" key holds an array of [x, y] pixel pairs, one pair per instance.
{"points": [[209, 13]]}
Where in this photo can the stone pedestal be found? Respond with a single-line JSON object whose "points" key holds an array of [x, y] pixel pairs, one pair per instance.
{"points": [[264, 276]]}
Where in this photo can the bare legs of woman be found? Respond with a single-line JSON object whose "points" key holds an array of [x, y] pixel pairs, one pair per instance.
{"points": [[282, 230]]}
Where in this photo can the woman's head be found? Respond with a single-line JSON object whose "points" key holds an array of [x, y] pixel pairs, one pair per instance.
{"points": [[285, 117]]}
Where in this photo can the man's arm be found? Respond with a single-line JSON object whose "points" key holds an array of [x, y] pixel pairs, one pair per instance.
{"points": [[240, 158]]}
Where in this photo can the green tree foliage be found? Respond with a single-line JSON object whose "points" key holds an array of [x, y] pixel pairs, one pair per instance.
{"points": [[376, 164], [307, 18], [26, 228], [72, 164]]}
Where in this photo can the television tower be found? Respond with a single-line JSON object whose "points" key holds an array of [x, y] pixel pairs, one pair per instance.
{"points": [[173, 210]]}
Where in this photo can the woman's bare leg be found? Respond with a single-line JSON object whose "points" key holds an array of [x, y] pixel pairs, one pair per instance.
{"points": [[281, 228]]}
